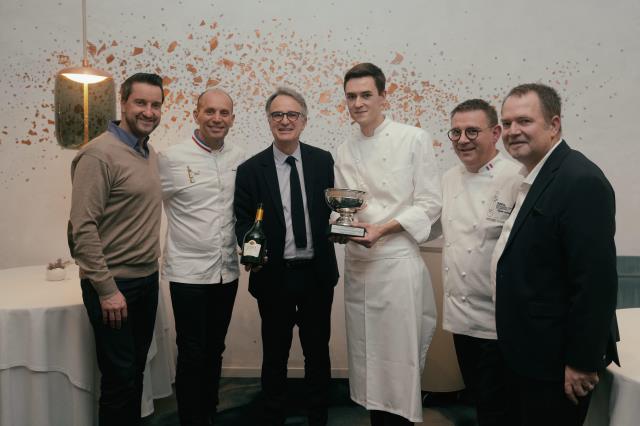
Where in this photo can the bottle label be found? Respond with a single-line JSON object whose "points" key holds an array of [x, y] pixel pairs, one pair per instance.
{"points": [[251, 248]]}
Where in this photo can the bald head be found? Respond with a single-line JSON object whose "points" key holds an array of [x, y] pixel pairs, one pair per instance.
{"points": [[214, 116], [213, 91]]}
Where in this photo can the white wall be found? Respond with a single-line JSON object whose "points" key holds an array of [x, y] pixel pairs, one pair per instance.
{"points": [[434, 53]]}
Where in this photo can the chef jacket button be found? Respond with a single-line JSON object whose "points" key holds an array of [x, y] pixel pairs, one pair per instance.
{"points": [[448, 244], [464, 298], [475, 225], [384, 158], [386, 134], [482, 201], [446, 269], [464, 274], [384, 182], [469, 250]]}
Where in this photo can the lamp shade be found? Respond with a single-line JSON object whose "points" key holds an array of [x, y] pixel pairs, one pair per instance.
{"points": [[85, 74], [82, 109]]}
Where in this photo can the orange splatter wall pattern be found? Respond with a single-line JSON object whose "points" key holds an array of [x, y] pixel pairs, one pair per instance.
{"points": [[250, 65]]}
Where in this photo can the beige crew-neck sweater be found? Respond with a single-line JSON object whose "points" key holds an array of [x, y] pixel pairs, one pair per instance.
{"points": [[116, 204]]}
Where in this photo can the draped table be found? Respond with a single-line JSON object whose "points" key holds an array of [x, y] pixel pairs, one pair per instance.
{"points": [[616, 399], [48, 369]]}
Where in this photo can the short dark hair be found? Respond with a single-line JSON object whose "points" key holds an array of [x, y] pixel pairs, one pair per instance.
{"points": [[550, 101], [478, 105], [141, 77], [366, 69]]}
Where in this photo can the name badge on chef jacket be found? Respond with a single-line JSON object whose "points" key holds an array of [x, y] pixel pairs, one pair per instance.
{"points": [[498, 210]]}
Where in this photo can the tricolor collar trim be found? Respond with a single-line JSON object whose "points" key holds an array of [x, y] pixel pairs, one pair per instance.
{"points": [[201, 143]]}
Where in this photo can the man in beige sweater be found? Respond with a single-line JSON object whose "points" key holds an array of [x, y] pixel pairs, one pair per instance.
{"points": [[113, 232]]}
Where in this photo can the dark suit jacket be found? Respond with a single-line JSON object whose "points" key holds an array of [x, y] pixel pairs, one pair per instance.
{"points": [[257, 182], [556, 279]]}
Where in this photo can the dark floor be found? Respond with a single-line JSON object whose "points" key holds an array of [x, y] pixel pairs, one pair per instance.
{"points": [[238, 398]]}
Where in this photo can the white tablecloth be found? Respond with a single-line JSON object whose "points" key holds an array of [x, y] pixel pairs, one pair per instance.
{"points": [[616, 399], [48, 369]]}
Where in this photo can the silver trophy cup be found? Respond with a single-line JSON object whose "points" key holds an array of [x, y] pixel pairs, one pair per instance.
{"points": [[346, 202]]}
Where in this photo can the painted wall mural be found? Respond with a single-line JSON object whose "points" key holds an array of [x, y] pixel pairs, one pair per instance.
{"points": [[249, 66], [434, 57]]}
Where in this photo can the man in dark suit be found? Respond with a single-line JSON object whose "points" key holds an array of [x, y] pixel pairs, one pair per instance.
{"points": [[295, 286], [554, 268]]}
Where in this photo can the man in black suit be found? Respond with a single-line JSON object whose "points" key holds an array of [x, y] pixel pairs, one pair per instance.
{"points": [[295, 286], [554, 267]]}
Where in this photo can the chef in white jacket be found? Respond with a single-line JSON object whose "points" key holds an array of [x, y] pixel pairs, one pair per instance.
{"points": [[478, 196], [389, 303]]}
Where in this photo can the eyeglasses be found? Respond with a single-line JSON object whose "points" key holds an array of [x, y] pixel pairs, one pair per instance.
{"points": [[291, 115], [470, 132]]}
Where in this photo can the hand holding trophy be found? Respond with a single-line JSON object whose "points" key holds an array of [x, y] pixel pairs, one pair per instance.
{"points": [[346, 202]]}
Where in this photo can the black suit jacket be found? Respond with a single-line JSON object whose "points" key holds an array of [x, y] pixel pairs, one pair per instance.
{"points": [[257, 182], [556, 279]]}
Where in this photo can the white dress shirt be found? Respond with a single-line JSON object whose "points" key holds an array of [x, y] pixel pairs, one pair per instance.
{"points": [[474, 208], [198, 187], [525, 186], [284, 172]]}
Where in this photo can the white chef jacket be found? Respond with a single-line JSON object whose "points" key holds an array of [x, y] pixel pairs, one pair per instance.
{"points": [[389, 304], [197, 189], [474, 208]]}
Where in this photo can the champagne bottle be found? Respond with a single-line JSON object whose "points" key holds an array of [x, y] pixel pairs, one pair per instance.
{"points": [[254, 243]]}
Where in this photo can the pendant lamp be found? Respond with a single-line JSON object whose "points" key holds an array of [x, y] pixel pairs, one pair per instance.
{"points": [[85, 99]]}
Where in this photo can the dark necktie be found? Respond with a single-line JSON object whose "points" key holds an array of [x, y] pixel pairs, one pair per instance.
{"points": [[297, 208]]}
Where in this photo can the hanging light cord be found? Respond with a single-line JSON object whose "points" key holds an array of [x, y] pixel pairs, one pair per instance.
{"points": [[85, 61]]}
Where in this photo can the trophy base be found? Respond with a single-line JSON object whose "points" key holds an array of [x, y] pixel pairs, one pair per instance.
{"points": [[347, 231]]}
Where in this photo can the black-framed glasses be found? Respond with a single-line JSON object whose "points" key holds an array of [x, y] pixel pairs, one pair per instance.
{"points": [[470, 132], [291, 115]]}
